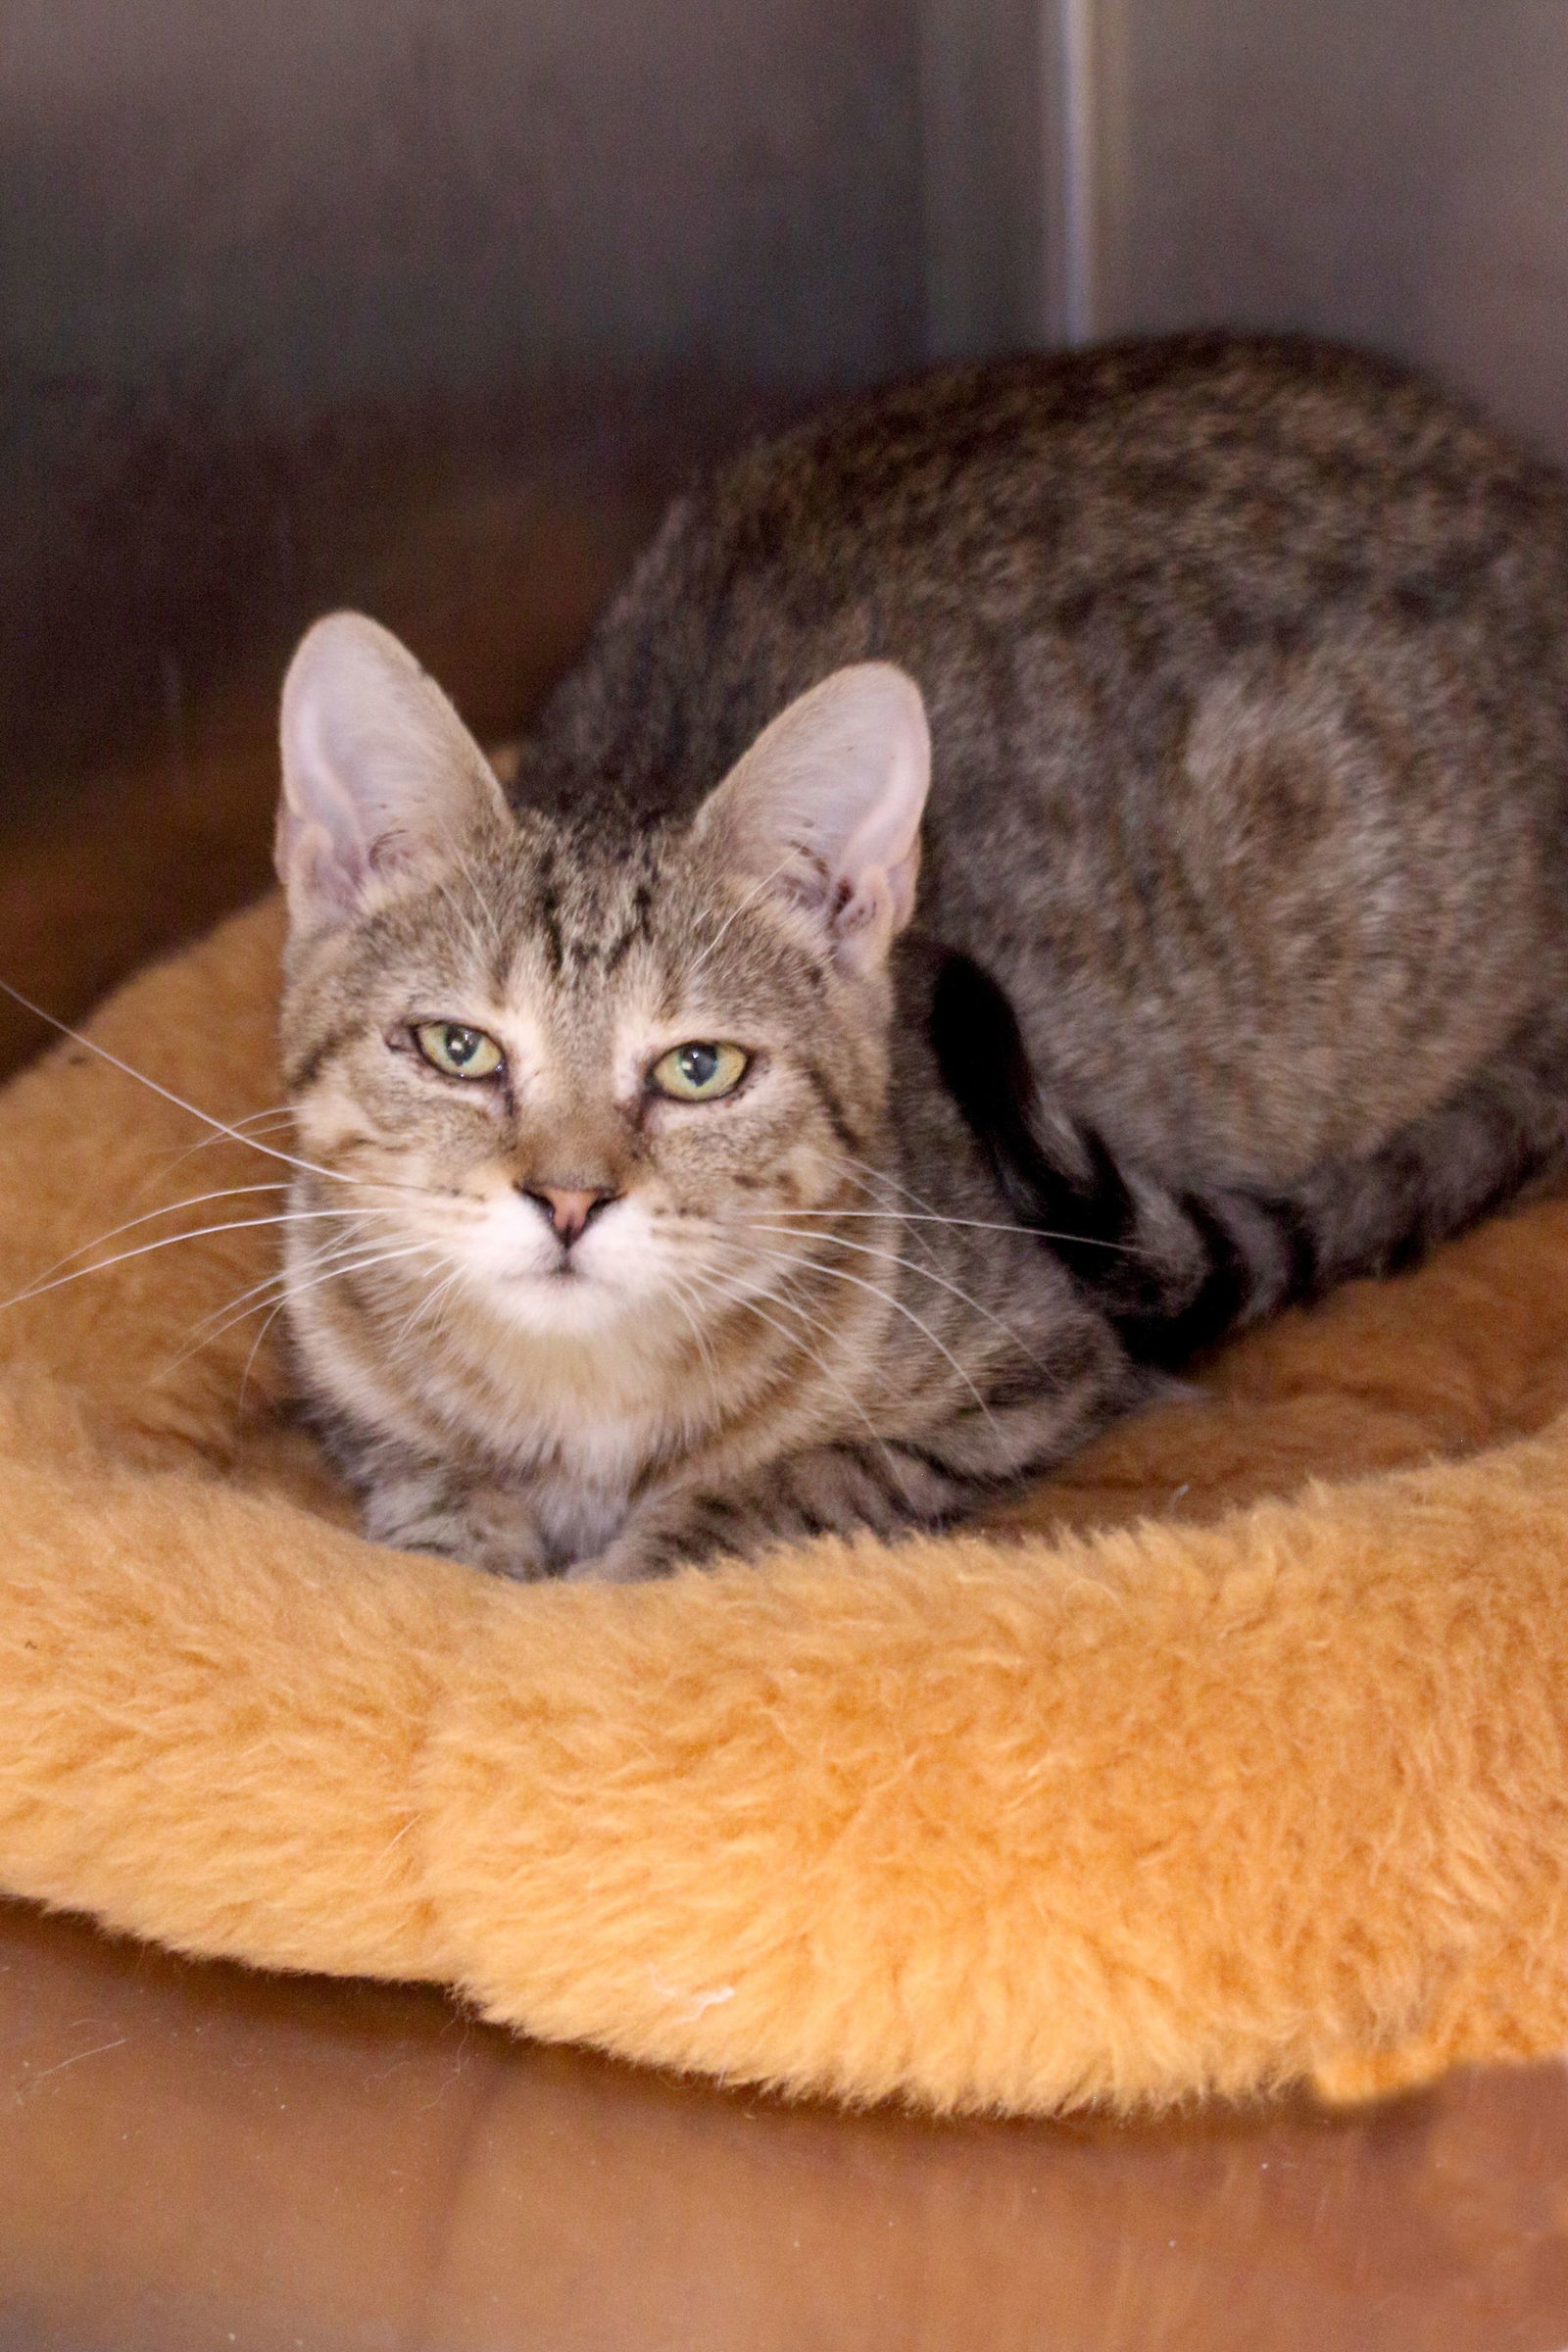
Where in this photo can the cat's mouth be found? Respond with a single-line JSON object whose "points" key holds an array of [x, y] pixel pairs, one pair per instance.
{"points": [[551, 1277], [565, 1278]]}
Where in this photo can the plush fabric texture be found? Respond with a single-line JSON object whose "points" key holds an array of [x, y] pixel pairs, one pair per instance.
{"points": [[1233, 1757]]}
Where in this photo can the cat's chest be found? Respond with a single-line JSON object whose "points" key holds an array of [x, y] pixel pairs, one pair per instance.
{"points": [[575, 1517], [576, 1465], [549, 1433], [580, 1472]]}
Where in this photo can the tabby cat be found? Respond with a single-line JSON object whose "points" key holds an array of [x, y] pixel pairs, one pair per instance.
{"points": [[716, 1142]]}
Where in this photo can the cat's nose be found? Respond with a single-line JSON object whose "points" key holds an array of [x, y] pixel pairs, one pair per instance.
{"points": [[569, 1212]]}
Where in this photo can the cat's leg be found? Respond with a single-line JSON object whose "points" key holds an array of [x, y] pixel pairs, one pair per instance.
{"points": [[423, 1507], [826, 1489], [884, 1488], [414, 1501]]}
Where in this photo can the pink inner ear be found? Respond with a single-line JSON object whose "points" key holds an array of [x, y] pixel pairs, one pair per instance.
{"points": [[379, 772], [861, 905], [314, 864], [321, 848]]}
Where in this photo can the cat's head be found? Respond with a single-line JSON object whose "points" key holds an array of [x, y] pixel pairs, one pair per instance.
{"points": [[583, 1070]]}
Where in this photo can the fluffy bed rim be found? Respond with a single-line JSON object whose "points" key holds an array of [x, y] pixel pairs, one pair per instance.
{"points": [[1019, 1820]]}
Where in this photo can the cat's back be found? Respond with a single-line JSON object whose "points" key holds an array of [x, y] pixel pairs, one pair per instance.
{"points": [[1142, 509], [1245, 662]]}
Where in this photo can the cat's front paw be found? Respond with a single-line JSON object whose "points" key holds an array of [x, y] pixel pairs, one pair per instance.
{"points": [[486, 1528], [701, 1529], [661, 1542], [629, 1560]]}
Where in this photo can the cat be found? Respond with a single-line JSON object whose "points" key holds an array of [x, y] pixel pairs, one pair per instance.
{"points": [[1038, 868]]}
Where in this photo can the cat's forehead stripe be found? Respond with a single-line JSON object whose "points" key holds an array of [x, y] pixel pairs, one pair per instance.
{"points": [[547, 909], [639, 926], [586, 902]]}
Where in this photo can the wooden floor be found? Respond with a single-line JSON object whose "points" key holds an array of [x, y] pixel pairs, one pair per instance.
{"points": [[197, 2158]]}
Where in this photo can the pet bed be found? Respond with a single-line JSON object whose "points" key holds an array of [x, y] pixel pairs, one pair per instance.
{"points": [[1235, 1756]]}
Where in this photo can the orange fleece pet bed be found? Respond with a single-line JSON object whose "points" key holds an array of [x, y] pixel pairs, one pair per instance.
{"points": [[1244, 1792]]}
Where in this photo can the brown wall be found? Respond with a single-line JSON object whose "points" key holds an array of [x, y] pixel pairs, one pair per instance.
{"points": [[287, 283]]}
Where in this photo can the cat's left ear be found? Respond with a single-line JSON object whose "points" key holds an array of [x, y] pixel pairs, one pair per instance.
{"points": [[382, 782], [826, 807]]}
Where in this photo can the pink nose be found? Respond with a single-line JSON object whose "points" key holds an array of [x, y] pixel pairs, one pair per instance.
{"points": [[568, 1211]]}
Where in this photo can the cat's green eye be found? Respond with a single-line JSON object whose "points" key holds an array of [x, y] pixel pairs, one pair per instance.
{"points": [[700, 1073], [457, 1052]]}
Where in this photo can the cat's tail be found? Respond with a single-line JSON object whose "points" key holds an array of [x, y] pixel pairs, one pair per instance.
{"points": [[1177, 1270]]}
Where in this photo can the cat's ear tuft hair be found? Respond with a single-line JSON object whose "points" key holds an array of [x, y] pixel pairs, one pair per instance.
{"points": [[381, 779], [826, 807]]}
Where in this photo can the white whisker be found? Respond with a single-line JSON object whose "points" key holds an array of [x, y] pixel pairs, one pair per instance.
{"points": [[347, 1259], [358, 1265], [227, 1192], [359, 1262], [464, 873], [400, 1337], [146, 1249], [256, 1347], [869, 1175], [906, 1216], [219, 1126], [344, 1247], [840, 1274], [895, 1259], [683, 1293], [279, 1116], [793, 1339]]}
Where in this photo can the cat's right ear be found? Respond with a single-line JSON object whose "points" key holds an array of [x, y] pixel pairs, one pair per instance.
{"points": [[381, 779]]}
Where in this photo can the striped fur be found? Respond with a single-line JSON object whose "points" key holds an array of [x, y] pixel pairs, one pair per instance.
{"points": [[1239, 962], [1178, 1271]]}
